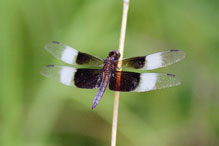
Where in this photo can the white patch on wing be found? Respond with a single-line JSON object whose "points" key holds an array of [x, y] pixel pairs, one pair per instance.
{"points": [[69, 55], [147, 82], [67, 75], [153, 61]]}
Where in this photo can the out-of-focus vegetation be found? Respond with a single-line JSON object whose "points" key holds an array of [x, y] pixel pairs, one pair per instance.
{"points": [[36, 111]]}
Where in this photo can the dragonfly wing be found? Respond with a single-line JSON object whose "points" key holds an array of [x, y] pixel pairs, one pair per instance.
{"points": [[141, 82], [71, 56], [80, 78], [154, 61]]}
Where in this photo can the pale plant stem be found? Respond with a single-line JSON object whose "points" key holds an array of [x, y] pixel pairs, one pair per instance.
{"points": [[121, 50]]}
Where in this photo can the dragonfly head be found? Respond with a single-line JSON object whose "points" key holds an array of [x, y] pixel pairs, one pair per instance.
{"points": [[114, 55]]}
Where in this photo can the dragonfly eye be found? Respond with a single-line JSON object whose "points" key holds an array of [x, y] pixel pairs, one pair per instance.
{"points": [[111, 53]]}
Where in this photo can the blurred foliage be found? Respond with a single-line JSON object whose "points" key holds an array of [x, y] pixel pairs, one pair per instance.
{"points": [[36, 111]]}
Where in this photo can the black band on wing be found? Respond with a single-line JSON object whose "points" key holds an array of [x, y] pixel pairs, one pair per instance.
{"points": [[135, 62], [128, 81], [83, 59], [88, 78]]}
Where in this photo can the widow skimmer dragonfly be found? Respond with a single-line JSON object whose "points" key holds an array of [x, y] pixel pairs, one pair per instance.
{"points": [[109, 74]]}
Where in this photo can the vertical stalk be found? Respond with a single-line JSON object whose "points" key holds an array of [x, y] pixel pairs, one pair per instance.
{"points": [[121, 50]]}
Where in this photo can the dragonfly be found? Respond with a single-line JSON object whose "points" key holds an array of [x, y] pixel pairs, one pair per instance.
{"points": [[109, 74]]}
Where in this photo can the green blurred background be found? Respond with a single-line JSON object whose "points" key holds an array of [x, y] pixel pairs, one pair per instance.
{"points": [[36, 111]]}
